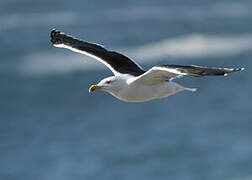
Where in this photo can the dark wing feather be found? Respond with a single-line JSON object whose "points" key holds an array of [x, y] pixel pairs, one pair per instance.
{"points": [[158, 74], [200, 71], [117, 62]]}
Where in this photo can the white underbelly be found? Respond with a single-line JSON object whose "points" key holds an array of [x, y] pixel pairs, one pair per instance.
{"points": [[140, 93]]}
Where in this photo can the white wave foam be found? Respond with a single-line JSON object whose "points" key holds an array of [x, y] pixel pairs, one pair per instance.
{"points": [[37, 20], [45, 63], [196, 46], [192, 46]]}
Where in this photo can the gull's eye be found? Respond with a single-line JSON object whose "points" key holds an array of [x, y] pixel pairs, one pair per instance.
{"points": [[108, 82]]}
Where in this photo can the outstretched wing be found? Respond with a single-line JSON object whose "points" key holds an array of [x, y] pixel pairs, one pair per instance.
{"points": [[116, 62], [161, 73]]}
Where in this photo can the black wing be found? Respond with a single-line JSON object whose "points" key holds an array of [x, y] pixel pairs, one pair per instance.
{"points": [[163, 73], [200, 71], [116, 62]]}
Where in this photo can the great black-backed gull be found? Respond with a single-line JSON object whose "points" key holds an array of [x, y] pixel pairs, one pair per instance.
{"points": [[130, 82]]}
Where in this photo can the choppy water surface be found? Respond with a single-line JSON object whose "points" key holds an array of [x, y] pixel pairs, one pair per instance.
{"points": [[52, 128]]}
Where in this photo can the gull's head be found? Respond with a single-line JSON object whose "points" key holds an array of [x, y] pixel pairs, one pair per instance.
{"points": [[108, 84]]}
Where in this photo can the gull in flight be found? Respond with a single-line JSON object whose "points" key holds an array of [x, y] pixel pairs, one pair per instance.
{"points": [[130, 82]]}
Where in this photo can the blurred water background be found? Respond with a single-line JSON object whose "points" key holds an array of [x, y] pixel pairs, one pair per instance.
{"points": [[51, 128]]}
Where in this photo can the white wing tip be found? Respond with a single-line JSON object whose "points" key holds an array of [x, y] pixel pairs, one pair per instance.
{"points": [[191, 89], [235, 69]]}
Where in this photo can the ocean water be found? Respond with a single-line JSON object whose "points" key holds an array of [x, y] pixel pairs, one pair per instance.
{"points": [[51, 128]]}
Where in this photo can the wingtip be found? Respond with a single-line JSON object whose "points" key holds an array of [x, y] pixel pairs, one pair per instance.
{"points": [[239, 69], [54, 32], [191, 89], [54, 36], [233, 70]]}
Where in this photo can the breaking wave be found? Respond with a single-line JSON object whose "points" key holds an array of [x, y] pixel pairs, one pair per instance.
{"points": [[196, 46]]}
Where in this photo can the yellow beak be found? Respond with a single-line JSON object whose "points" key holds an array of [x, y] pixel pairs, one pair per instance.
{"points": [[93, 88]]}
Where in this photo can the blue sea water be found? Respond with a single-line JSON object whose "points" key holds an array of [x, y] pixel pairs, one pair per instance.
{"points": [[51, 128]]}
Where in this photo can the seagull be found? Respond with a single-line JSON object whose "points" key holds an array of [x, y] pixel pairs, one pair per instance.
{"points": [[130, 82]]}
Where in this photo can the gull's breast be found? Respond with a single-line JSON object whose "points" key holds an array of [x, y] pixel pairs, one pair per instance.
{"points": [[140, 92]]}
